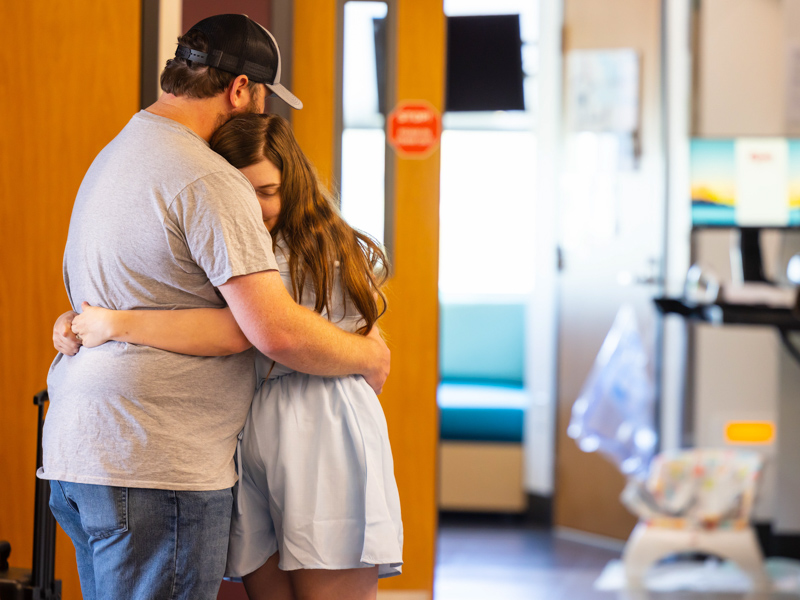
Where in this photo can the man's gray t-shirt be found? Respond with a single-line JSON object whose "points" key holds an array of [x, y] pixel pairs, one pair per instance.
{"points": [[160, 221]]}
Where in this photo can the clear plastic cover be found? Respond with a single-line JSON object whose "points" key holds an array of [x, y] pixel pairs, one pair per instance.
{"points": [[615, 411]]}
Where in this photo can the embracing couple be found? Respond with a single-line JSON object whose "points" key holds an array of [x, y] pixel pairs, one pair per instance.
{"points": [[199, 231]]}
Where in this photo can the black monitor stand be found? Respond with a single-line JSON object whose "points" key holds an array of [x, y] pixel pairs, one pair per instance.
{"points": [[750, 248], [785, 320]]}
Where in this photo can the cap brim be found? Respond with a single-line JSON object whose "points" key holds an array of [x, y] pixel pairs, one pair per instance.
{"points": [[285, 95]]}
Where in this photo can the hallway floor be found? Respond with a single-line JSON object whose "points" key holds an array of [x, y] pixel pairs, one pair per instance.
{"points": [[500, 559]]}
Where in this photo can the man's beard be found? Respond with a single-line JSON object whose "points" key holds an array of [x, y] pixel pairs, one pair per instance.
{"points": [[256, 104]]}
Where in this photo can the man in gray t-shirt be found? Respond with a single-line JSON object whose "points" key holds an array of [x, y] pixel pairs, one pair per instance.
{"points": [[139, 442]]}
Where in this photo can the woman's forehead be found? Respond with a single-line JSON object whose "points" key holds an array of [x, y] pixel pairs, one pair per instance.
{"points": [[262, 173]]}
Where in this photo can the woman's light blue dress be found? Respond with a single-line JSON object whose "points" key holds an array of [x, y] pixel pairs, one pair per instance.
{"points": [[316, 471]]}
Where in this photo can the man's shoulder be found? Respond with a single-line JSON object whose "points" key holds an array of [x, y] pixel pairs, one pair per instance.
{"points": [[172, 154], [215, 187], [224, 184], [168, 141]]}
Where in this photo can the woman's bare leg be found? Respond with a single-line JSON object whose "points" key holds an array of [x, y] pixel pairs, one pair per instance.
{"points": [[344, 584], [268, 582]]}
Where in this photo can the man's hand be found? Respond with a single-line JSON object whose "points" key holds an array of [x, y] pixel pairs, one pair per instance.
{"points": [[297, 336], [64, 340], [379, 369]]}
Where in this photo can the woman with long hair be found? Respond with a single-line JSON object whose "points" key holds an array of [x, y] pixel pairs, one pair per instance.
{"points": [[317, 512]]}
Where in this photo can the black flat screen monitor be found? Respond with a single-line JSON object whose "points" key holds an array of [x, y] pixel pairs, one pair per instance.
{"points": [[484, 63]]}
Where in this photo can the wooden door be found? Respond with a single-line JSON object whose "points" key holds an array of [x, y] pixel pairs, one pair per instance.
{"points": [[411, 324], [600, 269], [70, 83]]}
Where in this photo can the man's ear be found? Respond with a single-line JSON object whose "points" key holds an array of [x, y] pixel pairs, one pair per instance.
{"points": [[238, 92]]}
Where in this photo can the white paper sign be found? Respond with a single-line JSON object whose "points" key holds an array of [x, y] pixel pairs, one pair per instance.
{"points": [[603, 90], [761, 176]]}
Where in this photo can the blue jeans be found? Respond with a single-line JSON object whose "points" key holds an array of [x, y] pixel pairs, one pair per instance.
{"points": [[143, 544]]}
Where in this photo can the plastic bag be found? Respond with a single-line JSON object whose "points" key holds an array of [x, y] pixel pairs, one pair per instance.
{"points": [[614, 413]]}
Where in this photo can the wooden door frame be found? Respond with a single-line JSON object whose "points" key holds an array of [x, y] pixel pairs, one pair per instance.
{"points": [[411, 324]]}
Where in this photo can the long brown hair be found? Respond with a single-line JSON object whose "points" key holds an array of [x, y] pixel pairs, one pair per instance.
{"points": [[313, 229]]}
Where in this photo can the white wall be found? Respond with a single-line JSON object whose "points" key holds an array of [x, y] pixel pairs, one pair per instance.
{"points": [[541, 338], [740, 78], [677, 96]]}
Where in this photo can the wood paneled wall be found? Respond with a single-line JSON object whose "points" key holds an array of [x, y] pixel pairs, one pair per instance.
{"points": [[411, 324], [314, 80], [70, 83]]}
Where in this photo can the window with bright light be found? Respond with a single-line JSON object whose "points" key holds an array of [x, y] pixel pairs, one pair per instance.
{"points": [[488, 163], [488, 182], [486, 209], [363, 138]]}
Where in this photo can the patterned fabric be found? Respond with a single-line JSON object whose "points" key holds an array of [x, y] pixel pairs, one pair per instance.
{"points": [[697, 489]]}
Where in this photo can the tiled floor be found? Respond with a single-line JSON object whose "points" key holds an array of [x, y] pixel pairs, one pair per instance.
{"points": [[501, 559]]}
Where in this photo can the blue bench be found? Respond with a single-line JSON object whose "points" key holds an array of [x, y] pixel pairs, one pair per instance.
{"points": [[482, 357]]}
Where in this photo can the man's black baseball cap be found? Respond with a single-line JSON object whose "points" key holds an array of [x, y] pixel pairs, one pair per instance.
{"points": [[239, 45]]}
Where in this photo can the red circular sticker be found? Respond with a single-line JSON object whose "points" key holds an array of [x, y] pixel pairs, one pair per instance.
{"points": [[414, 128]]}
